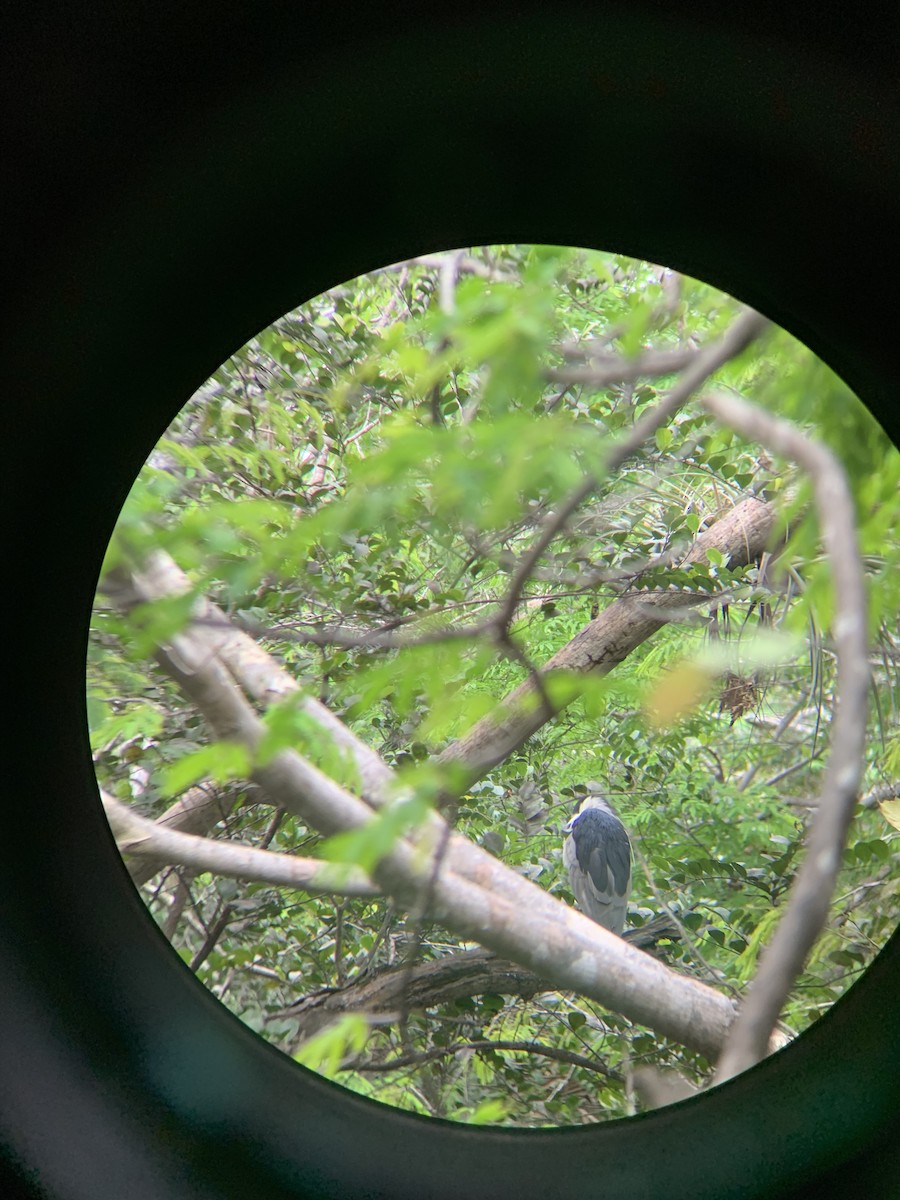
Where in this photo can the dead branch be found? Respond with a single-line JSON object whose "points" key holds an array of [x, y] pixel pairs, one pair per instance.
{"points": [[880, 793]]}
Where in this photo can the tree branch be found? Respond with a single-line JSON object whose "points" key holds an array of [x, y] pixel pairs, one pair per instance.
{"points": [[485, 904], [473, 893], [810, 896], [556, 1053], [135, 835], [741, 535], [605, 367], [196, 811], [400, 988]]}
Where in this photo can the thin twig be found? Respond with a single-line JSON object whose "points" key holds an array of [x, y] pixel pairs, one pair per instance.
{"points": [[703, 363], [553, 1052]]}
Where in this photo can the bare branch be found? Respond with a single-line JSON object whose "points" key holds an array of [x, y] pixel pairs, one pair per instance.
{"points": [[741, 535], [604, 367], [556, 1053], [197, 811], [810, 896], [389, 992], [260, 677], [656, 1089], [135, 835], [880, 793]]}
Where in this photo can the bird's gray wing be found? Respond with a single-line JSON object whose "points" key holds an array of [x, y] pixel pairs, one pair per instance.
{"points": [[597, 854]]}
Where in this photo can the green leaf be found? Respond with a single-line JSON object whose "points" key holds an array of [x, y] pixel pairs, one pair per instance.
{"points": [[745, 965], [137, 720], [366, 846], [325, 1051], [219, 762], [489, 1112]]}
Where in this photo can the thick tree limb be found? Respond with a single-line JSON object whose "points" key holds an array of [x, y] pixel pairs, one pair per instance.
{"points": [[394, 990], [741, 535], [556, 942], [196, 811], [404, 987], [696, 1015], [135, 835], [810, 896]]}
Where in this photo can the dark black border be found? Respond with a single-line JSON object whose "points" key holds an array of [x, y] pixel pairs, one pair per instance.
{"points": [[183, 176]]}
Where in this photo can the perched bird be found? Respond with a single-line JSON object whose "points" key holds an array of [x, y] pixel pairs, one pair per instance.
{"points": [[597, 854]]}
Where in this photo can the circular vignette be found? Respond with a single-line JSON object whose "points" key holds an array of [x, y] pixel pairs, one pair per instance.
{"points": [[721, 153]]}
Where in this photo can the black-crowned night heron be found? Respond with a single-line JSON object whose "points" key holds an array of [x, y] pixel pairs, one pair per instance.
{"points": [[597, 854]]}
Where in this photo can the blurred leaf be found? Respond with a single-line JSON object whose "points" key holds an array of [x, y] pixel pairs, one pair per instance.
{"points": [[678, 691], [746, 962], [219, 762], [366, 846], [325, 1051], [489, 1112]]}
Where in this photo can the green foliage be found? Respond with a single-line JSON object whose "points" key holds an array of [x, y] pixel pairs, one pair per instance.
{"points": [[360, 482], [366, 846], [325, 1052], [220, 762]]}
